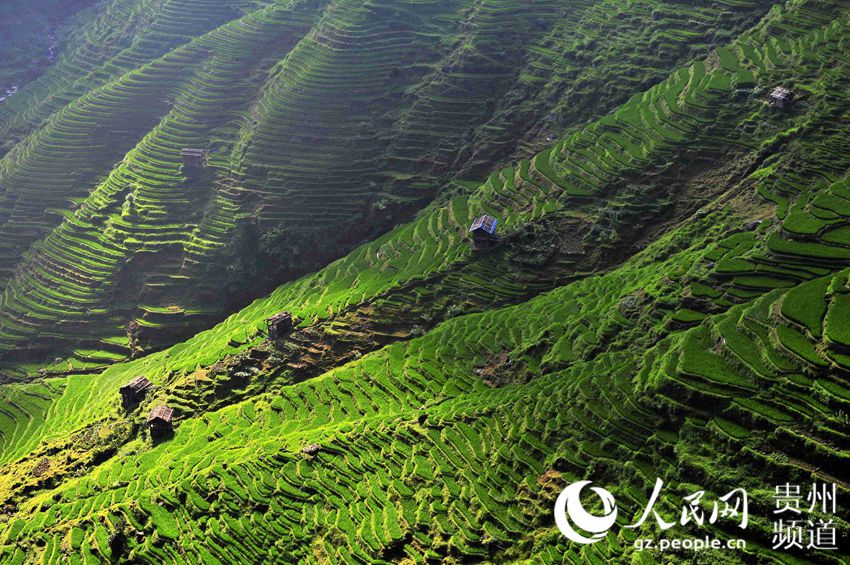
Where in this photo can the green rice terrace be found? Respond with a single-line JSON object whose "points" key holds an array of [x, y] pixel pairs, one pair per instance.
{"points": [[667, 294], [321, 120]]}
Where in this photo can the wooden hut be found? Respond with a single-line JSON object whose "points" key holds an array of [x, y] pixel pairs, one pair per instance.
{"points": [[483, 231], [279, 325], [134, 391], [312, 449], [159, 420], [781, 97], [194, 158]]}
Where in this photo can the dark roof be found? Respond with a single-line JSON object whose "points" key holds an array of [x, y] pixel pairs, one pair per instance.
{"points": [[280, 317], [138, 384], [189, 152], [484, 223], [162, 412]]}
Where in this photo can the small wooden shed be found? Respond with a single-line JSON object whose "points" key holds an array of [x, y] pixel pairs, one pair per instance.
{"points": [[194, 158], [160, 420], [134, 391], [781, 97], [312, 449], [279, 325], [483, 231]]}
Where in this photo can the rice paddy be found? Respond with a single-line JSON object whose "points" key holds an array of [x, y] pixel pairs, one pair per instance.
{"points": [[668, 298]]}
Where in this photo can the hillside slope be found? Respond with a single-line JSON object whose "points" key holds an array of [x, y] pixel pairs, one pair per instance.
{"points": [[33, 33], [325, 121], [668, 299]]}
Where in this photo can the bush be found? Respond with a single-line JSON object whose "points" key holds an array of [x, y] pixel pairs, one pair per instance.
{"points": [[259, 260], [454, 311], [535, 244]]}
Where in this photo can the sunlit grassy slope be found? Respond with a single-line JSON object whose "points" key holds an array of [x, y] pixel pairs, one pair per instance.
{"points": [[696, 332], [316, 113]]}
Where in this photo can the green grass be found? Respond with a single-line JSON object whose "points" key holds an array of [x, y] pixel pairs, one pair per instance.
{"points": [[805, 305], [311, 121]]}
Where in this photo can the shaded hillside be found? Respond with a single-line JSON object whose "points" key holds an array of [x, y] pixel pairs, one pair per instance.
{"points": [[34, 34], [342, 117], [668, 299]]}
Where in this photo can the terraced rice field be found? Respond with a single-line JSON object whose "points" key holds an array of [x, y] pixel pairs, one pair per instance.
{"points": [[315, 114], [671, 285]]}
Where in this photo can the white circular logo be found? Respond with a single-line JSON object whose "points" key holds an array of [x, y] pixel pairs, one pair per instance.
{"points": [[568, 508]]}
